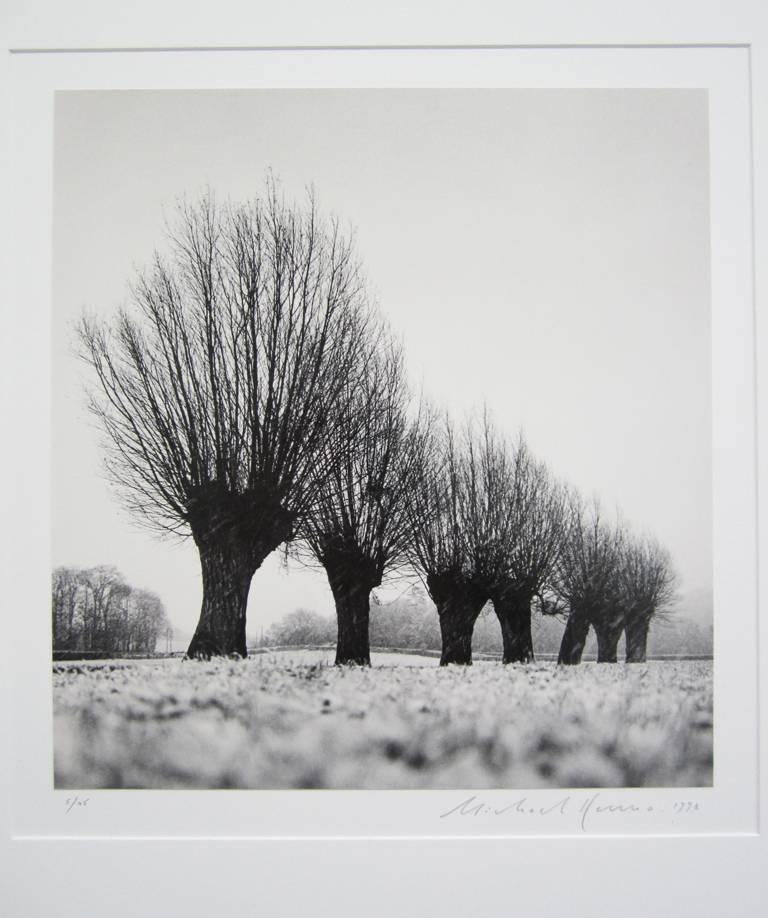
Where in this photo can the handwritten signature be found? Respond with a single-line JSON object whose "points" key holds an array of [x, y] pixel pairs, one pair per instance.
{"points": [[584, 809]]}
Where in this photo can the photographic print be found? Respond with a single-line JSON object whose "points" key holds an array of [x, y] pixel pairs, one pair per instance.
{"points": [[382, 435]]}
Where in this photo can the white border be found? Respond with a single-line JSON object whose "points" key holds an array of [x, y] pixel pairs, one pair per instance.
{"points": [[686, 867]]}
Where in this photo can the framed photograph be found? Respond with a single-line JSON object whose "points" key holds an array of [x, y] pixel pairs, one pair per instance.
{"points": [[383, 411]]}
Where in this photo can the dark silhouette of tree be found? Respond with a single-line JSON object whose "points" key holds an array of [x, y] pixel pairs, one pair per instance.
{"points": [[527, 540], [498, 520], [647, 585], [359, 529], [220, 387], [612, 580], [587, 579], [452, 519]]}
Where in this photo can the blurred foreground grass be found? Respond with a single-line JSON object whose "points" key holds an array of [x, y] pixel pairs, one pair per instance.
{"points": [[291, 720]]}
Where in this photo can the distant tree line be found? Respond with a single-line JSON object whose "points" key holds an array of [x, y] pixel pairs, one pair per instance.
{"points": [[96, 610], [252, 396]]}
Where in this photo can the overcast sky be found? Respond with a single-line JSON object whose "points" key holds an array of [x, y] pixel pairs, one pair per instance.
{"points": [[545, 252]]}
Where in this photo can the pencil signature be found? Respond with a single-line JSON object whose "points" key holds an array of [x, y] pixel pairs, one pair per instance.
{"points": [[583, 809]]}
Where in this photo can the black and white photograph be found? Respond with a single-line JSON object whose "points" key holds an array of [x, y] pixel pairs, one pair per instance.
{"points": [[381, 439], [383, 390]]}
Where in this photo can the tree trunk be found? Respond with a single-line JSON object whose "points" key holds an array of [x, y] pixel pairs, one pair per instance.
{"points": [[636, 631], [458, 605], [234, 533], [607, 642], [226, 582], [352, 574], [513, 609], [608, 624], [352, 598], [574, 639], [70, 641]]}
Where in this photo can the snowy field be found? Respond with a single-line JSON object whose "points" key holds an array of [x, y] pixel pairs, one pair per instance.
{"points": [[293, 720]]}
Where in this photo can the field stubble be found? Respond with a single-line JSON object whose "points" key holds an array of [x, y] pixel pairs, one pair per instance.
{"points": [[290, 720]]}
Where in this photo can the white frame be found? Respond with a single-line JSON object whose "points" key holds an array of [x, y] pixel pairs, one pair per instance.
{"points": [[456, 873]]}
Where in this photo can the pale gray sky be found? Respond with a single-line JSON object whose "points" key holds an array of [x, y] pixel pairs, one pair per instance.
{"points": [[544, 251]]}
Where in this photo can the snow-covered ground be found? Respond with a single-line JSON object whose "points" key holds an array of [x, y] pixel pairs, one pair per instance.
{"points": [[292, 719]]}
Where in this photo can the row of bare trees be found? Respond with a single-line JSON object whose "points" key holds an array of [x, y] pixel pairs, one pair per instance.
{"points": [[491, 524], [95, 609], [252, 396], [611, 580]]}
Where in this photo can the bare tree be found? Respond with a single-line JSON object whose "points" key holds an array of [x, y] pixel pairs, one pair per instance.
{"points": [[145, 623], [359, 529], [612, 580], [529, 527], [218, 388], [66, 595], [451, 511], [105, 593], [95, 609], [587, 578], [647, 584], [301, 627]]}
